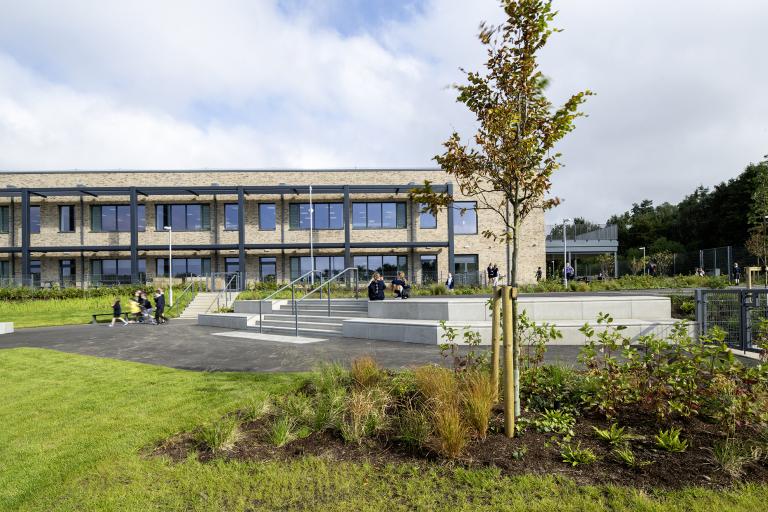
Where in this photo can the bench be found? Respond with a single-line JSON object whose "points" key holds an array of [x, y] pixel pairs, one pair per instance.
{"points": [[95, 316]]}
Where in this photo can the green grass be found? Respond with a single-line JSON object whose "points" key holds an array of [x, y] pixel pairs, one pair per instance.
{"points": [[42, 313], [75, 431]]}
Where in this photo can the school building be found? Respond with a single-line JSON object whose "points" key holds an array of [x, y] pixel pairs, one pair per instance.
{"points": [[86, 228]]}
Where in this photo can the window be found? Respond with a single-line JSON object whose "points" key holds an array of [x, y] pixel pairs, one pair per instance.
{"points": [[115, 271], [66, 219], [466, 269], [426, 219], [231, 265], [268, 269], [34, 270], [34, 219], [5, 269], [325, 266], [428, 268], [67, 273], [267, 216], [387, 265], [5, 218], [378, 215], [465, 218], [231, 218], [327, 216], [183, 267], [116, 218], [183, 217]]}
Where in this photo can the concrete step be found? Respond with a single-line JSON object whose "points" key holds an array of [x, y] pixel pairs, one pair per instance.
{"points": [[307, 318], [303, 329], [334, 313]]}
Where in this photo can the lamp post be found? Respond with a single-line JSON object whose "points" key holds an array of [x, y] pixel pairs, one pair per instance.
{"points": [[645, 267], [169, 229], [565, 254]]}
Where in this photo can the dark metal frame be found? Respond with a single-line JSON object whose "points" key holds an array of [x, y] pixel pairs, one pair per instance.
{"points": [[240, 191]]}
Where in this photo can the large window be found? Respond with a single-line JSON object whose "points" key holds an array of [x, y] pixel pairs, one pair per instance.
{"points": [[34, 271], [109, 218], [327, 216], [325, 266], [5, 269], [183, 217], [378, 215], [115, 271], [465, 218], [268, 269], [387, 265], [5, 219], [428, 268], [66, 219], [231, 218], [267, 216], [465, 269], [183, 267], [67, 273], [427, 220], [34, 219]]}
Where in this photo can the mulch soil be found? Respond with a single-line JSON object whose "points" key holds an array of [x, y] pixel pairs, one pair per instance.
{"points": [[541, 454]]}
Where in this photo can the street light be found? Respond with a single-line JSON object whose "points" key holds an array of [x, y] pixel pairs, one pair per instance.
{"points": [[645, 267], [169, 229], [565, 254]]}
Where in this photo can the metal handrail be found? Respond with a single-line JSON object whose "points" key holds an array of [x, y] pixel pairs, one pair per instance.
{"points": [[184, 292], [268, 297], [227, 290], [295, 303]]}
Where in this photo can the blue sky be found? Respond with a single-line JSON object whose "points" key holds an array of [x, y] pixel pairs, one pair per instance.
{"points": [[351, 83]]}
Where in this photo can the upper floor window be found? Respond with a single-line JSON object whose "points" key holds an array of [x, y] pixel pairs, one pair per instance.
{"points": [[326, 216], [231, 217], [34, 219], [267, 219], [378, 215], [427, 220], [66, 219], [465, 218], [183, 217], [5, 217], [109, 218]]}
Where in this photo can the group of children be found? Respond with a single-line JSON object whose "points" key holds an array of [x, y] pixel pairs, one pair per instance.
{"points": [[377, 286], [141, 309]]}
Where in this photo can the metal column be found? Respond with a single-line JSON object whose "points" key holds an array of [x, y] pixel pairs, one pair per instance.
{"points": [[25, 235], [134, 235], [241, 233], [449, 187], [345, 210]]}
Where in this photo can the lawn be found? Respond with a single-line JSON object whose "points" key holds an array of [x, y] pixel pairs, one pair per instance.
{"points": [[76, 431], [67, 311]]}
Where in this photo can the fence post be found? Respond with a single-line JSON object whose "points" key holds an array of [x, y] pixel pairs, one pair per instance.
{"points": [[700, 311], [495, 319]]}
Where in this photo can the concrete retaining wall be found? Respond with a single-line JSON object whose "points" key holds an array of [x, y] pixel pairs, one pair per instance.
{"points": [[227, 320]]}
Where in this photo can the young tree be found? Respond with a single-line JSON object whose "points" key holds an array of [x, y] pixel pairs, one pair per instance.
{"points": [[508, 166]]}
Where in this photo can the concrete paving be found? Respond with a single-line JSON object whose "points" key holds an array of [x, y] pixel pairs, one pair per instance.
{"points": [[183, 344]]}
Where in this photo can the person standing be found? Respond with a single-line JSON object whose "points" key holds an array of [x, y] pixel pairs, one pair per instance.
{"points": [[495, 272], [539, 274], [160, 307], [449, 282], [117, 313], [736, 273]]}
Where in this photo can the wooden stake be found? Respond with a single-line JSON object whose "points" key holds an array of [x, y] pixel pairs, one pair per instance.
{"points": [[496, 321], [509, 387]]}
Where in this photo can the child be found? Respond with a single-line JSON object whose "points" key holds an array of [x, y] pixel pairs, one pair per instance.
{"points": [[117, 313]]}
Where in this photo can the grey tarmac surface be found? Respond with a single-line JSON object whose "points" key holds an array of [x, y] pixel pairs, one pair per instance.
{"points": [[185, 345]]}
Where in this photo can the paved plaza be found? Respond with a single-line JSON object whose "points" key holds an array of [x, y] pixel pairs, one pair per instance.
{"points": [[183, 344]]}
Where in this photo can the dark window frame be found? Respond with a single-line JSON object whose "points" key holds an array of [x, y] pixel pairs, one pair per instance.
{"points": [[71, 208], [140, 220], [274, 214], [167, 209], [297, 215], [5, 218], [457, 215], [186, 273], [401, 207], [34, 227], [422, 213], [237, 224]]}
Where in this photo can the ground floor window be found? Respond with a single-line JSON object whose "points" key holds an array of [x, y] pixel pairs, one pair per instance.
{"points": [[428, 268], [67, 275], [268, 269], [115, 271], [325, 266], [5, 271], [465, 269], [34, 272], [184, 267], [387, 265]]}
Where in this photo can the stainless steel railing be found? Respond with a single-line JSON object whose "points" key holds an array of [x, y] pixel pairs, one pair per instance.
{"points": [[292, 285], [295, 303]]}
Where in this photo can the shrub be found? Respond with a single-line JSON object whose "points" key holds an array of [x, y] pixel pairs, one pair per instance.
{"points": [[555, 421], [328, 409], [412, 427], [298, 407], [255, 408], [575, 455], [403, 384], [478, 397], [327, 377], [450, 429], [438, 289], [282, 431], [364, 414], [365, 372], [437, 384], [615, 435], [551, 387], [731, 455], [670, 441], [625, 455], [220, 435]]}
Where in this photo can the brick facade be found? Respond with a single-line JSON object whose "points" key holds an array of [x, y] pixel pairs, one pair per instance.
{"points": [[532, 250]]}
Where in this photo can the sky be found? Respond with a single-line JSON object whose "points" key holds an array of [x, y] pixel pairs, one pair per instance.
{"points": [[680, 88]]}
